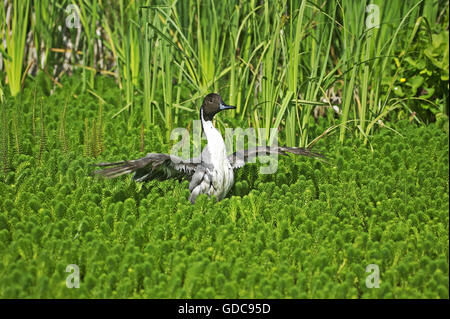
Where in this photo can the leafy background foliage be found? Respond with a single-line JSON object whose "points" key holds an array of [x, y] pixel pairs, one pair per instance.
{"points": [[307, 231]]}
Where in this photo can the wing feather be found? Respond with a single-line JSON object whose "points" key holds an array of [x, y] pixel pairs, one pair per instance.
{"points": [[240, 158], [152, 166]]}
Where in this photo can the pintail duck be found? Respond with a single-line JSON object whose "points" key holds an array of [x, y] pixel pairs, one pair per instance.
{"points": [[212, 173]]}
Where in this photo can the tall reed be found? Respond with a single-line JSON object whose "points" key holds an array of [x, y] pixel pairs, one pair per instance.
{"points": [[276, 61], [14, 31]]}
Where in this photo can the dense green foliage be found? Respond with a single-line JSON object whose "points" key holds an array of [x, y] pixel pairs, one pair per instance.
{"points": [[372, 75], [309, 230], [277, 61]]}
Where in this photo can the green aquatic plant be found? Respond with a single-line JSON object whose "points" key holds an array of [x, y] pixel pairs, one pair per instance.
{"points": [[14, 31], [5, 130], [307, 231]]}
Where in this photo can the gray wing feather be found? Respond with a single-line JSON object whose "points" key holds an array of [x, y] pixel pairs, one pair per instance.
{"points": [[239, 158], [153, 165], [200, 182]]}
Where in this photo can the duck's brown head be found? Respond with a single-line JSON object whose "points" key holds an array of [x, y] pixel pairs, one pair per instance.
{"points": [[213, 104]]}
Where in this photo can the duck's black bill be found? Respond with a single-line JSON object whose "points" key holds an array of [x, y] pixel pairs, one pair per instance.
{"points": [[223, 106]]}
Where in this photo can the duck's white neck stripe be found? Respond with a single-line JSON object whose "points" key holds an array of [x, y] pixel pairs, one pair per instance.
{"points": [[208, 127], [212, 134]]}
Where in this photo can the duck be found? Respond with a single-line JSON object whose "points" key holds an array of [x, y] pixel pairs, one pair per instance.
{"points": [[212, 173]]}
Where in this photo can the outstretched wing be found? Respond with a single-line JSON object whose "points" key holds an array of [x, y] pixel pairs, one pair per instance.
{"points": [[239, 158], [152, 166]]}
